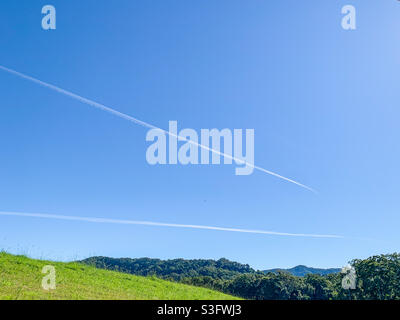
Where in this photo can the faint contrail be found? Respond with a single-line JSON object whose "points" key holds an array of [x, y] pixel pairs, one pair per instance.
{"points": [[145, 124], [161, 224]]}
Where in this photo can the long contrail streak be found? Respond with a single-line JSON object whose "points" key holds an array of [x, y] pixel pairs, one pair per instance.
{"points": [[161, 224], [145, 124]]}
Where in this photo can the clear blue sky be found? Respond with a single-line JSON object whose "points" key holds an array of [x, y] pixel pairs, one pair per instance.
{"points": [[324, 103]]}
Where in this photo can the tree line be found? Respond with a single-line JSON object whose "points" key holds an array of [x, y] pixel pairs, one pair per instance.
{"points": [[377, 278]]}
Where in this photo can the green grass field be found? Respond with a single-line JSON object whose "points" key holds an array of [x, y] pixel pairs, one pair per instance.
{"points": [[21, 278]]}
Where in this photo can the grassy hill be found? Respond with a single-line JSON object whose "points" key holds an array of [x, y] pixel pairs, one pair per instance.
{"points": [[21, 278]]}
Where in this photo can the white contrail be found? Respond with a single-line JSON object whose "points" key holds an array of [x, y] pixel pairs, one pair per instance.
{"points": [[145, 124], [161, 224]]}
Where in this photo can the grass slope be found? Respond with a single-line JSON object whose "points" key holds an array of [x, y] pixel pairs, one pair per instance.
{"points": [[21, 278]]}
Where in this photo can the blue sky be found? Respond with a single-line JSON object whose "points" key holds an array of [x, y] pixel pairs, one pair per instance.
{"points": [[323, 103]]}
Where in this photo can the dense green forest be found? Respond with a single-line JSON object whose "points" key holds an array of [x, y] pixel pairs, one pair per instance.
{"points": [[377, 278], [176, 269]]}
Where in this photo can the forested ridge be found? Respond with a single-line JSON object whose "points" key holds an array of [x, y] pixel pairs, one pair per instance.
{"points": [[377, 278], [176, 269]]}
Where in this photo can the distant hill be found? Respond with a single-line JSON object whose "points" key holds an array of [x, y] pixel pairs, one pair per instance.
{"points": [[175, 269], [21, 278], [301, 271]]}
